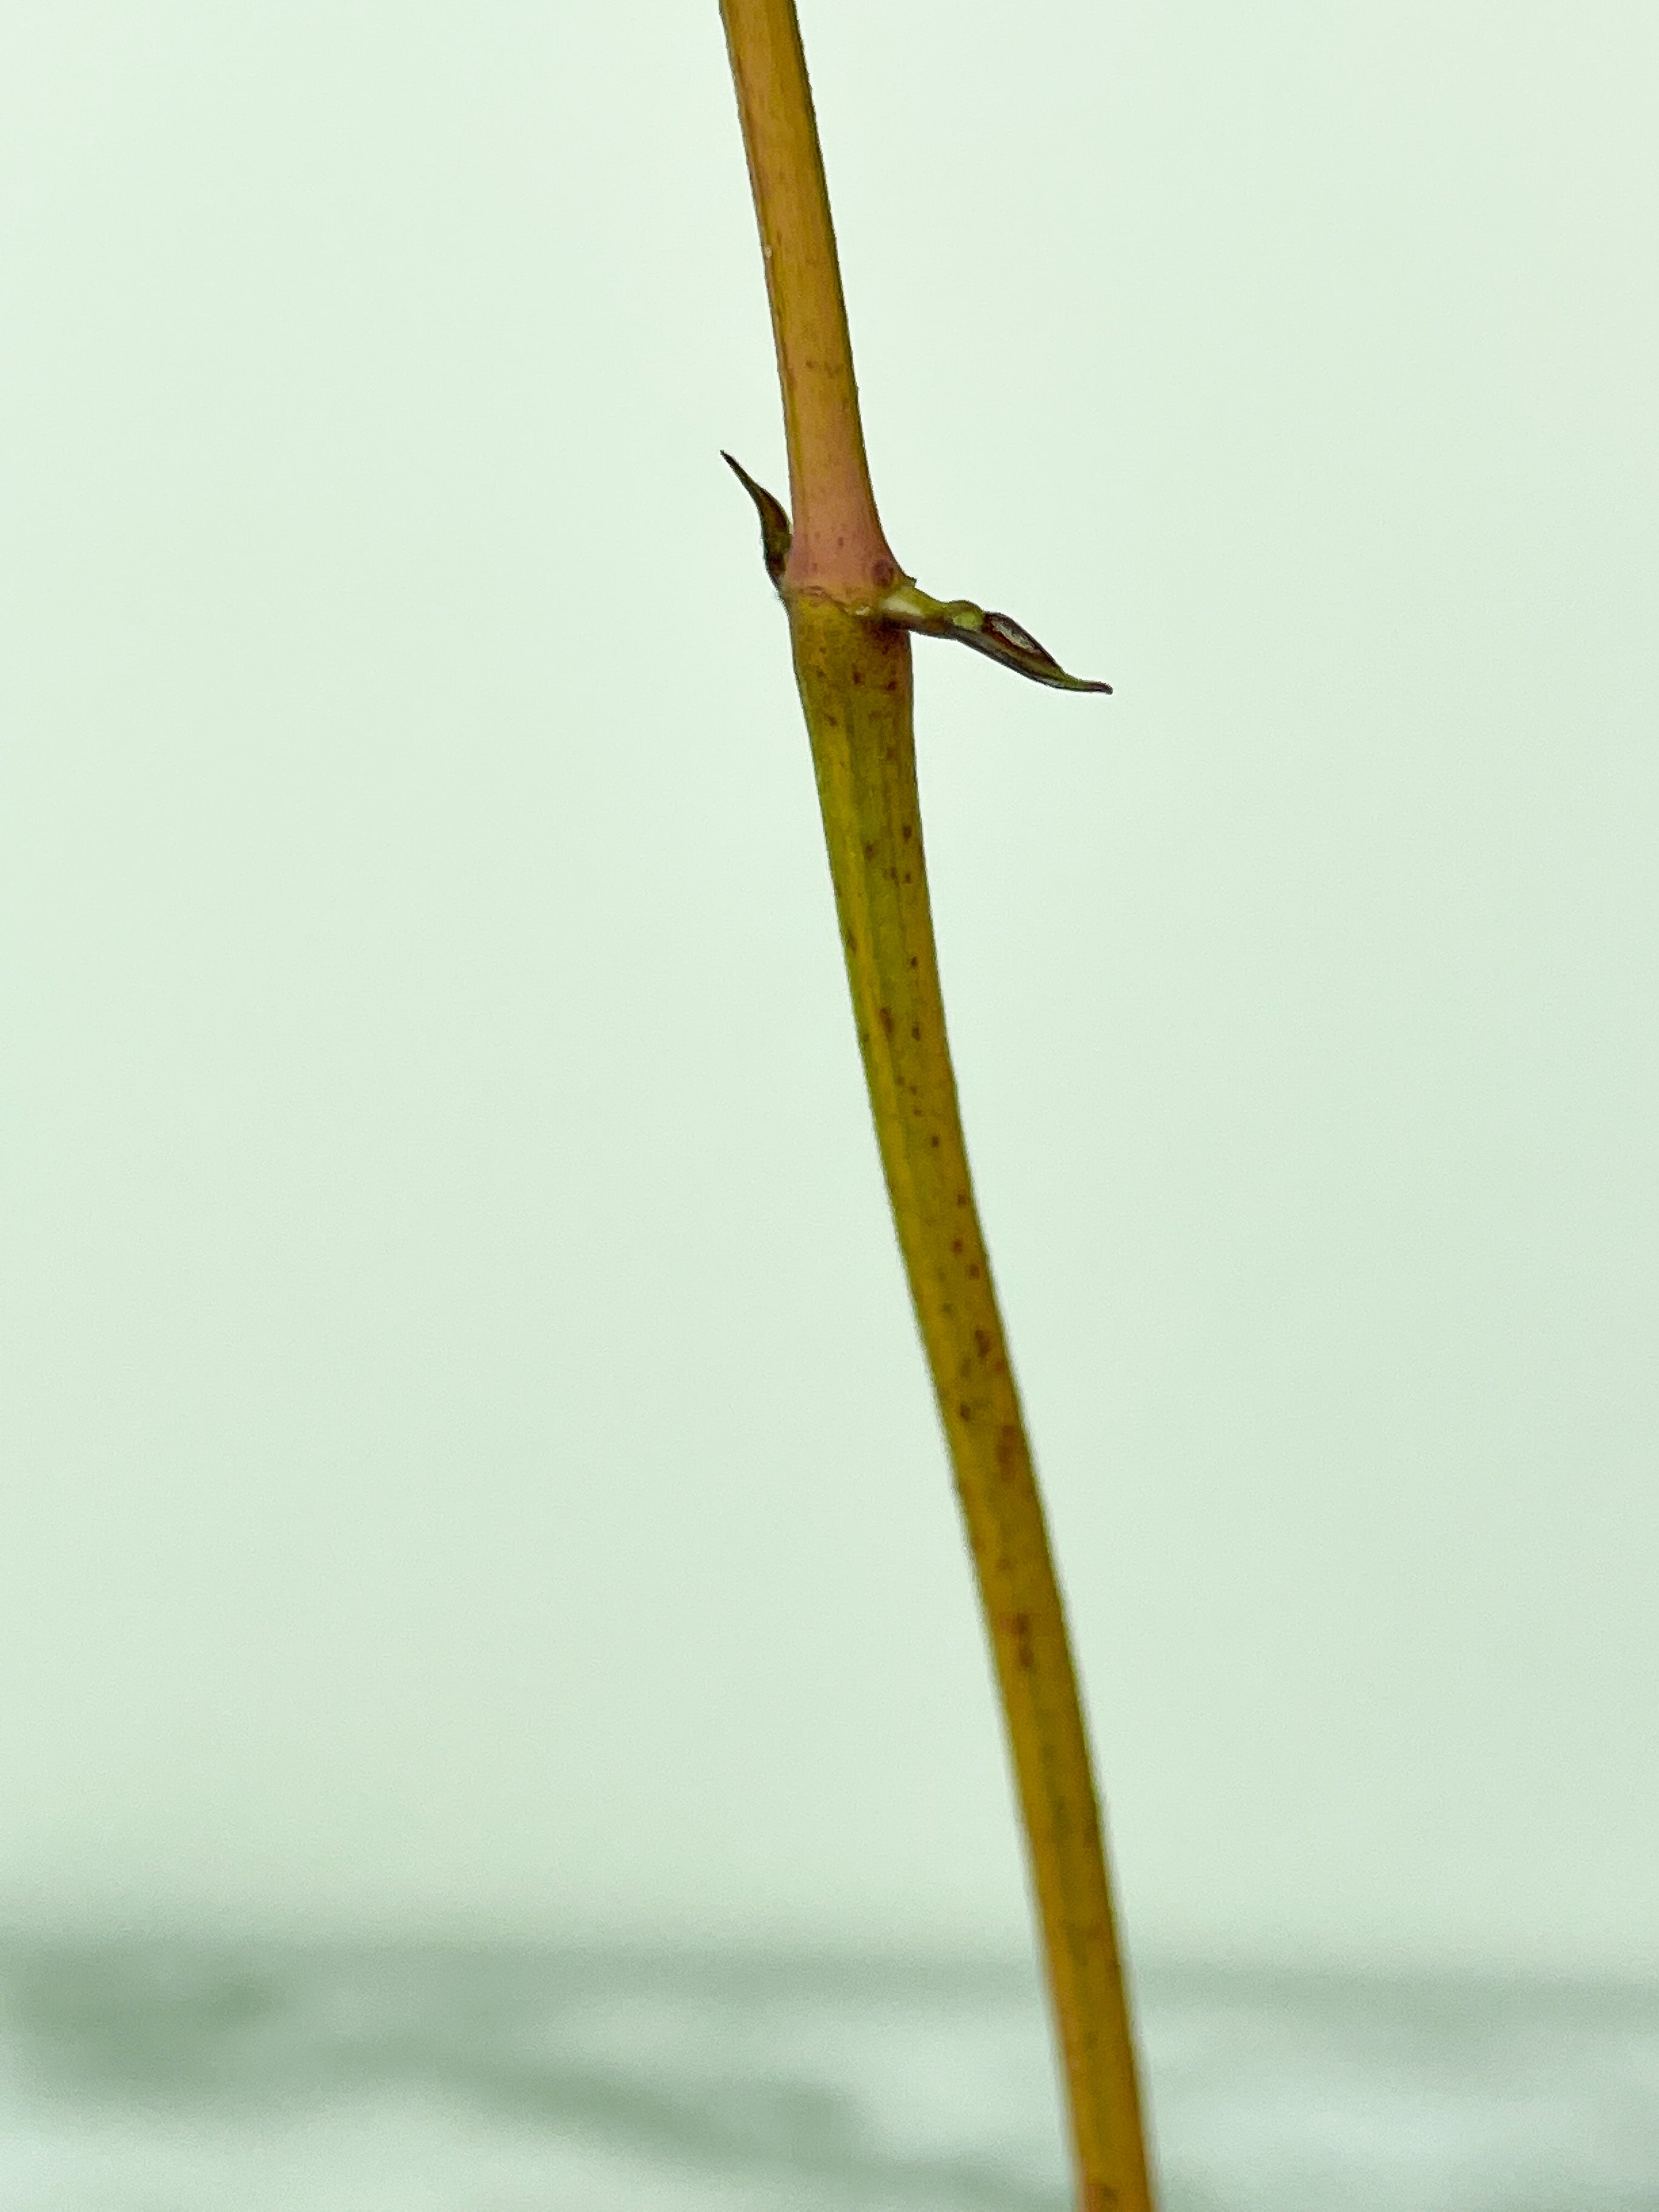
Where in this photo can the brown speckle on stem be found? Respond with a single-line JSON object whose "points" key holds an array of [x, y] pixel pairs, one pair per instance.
{"points": [[854, 672]]}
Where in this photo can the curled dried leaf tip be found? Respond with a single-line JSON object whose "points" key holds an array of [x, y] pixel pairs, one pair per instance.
{"points": [[997, 636], [775, 532]]}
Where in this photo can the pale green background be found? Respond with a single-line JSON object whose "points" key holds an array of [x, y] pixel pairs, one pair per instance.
{"points": [[468, 1457]]}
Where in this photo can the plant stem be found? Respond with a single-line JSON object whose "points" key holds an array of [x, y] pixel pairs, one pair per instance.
{"points": [[839, 547], [854, 677]]}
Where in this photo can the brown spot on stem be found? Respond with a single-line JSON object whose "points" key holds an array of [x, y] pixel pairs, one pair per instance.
{"points": [[886, 1020]]}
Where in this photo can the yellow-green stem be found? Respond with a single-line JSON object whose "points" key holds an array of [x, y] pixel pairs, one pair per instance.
{"points": [[855, 678], [854, 674]]}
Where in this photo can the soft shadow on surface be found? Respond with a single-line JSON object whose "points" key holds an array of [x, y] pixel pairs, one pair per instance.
{"points": [[402, 2077]]}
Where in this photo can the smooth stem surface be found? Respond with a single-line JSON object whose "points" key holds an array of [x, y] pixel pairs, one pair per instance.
{"points": [[853, 674], [855, 678], [839, 547]]}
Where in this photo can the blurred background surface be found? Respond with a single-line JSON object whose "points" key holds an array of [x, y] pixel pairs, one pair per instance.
{"points": [[270, 2078], [469, 1471]]}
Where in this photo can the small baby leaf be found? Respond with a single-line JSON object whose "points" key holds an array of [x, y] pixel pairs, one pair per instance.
{"points": [[1000, 636]]}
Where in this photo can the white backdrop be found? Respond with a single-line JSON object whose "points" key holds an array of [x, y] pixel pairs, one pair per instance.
{"points": [[469, 1457]]}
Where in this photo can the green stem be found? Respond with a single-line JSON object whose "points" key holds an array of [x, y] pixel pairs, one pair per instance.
{"points": [[853, 674]]}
